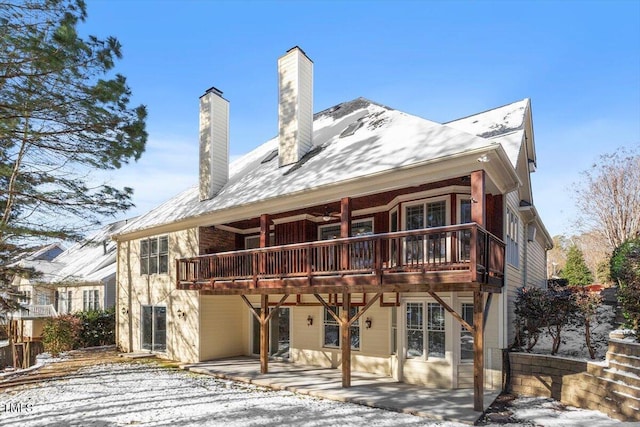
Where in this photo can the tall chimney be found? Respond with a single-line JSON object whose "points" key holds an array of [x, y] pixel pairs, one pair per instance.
{"points": [[214, 143], [295, 112]]}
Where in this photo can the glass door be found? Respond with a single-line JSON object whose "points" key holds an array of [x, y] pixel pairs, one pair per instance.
{"points": [[154, 328], [279, 333]]}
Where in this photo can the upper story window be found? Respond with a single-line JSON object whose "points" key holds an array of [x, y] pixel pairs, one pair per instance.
{"points": [[513, 227], [90, 300], [359, 227], [253, 242], [154, 255]]}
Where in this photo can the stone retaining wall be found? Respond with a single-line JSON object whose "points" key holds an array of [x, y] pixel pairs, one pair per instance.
{"points": [[588, 385]]}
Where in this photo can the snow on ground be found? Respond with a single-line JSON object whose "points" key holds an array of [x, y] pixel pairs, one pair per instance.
{"points": [[573, 337], [541, 411], [146, 394]]}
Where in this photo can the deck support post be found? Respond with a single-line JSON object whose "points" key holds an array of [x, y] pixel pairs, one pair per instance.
{"points": [[345, 330], [265, 222], [478, 351], [478, 203], [345, 230], [264, 334]]}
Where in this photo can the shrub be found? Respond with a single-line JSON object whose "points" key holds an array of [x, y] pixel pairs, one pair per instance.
{"points": [[61, 334], [625, 270], [529, 306], [559, 307], [587, 304], [98, 327]]}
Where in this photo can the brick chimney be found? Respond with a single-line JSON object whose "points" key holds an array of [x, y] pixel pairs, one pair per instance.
{"points": [[214, 143], [295, 112]]}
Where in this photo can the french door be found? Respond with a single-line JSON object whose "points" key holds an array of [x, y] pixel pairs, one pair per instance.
{"points": [[154, 328], [279, 333]]}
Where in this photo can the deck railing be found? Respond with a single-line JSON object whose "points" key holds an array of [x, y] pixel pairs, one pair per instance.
{"points": [[465, 247], [35, 311]]}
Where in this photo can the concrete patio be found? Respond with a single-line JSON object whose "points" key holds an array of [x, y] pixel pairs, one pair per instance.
{"points": [[366, 389]]}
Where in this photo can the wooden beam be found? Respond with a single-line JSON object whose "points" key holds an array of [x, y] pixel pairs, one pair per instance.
{"points": [[452, 311], [264, 335], [253, 310], [352, 285], [345, 345], [345, 230], [365, 308], [328, 308], [265, 222], [478, 352], [478, 202], [277, 306]]}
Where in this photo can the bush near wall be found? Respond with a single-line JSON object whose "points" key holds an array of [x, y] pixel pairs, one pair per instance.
{"points": [[83, 329], [61, 333], [625, 270], [98, 327]]}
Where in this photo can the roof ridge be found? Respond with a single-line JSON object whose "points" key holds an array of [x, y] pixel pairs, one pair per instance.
{"points": [[485, 111]]}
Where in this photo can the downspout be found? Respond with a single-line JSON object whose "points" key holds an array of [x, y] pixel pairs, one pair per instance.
{"points": [[525, 272]]}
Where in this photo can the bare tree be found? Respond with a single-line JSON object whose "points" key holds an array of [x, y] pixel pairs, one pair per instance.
{"points": [[608, 197]]}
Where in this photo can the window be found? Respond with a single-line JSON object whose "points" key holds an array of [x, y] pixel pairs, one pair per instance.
{"points": [[394, 330], [435, 330], [90, 300], [26, 297], [332, 329], [426, 215], [154, 255], [466, 337], [421, 330], [513, 226], [361, 254], [253, 242], [415, 332], [63, 301]]}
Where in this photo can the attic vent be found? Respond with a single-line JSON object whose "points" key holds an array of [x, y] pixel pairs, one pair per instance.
{"points": [[270, 156], [351, 129]]}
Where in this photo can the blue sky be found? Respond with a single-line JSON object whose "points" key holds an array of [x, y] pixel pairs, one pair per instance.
{"points": [[579, 62]]}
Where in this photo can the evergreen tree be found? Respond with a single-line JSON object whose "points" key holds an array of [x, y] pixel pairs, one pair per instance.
{"points": [[63, 114], [575, 270]]}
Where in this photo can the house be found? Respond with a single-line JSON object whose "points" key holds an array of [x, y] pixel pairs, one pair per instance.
{"points": [[361, 238], [80, 278]]}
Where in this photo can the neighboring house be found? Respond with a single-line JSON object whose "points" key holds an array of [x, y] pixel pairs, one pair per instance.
{"points": [[360, 225], [80, 278]]}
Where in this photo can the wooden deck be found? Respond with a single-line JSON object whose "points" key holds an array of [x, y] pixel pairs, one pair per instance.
{"points": [[454, 258]]}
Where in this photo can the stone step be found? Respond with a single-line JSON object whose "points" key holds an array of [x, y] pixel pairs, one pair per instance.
{"points": [[617, 385], [621, 406], [624, 359], [623, 376], [623, 367], [624, 347]]}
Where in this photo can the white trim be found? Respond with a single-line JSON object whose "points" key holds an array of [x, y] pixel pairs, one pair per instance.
{"points": [[499, 170]]}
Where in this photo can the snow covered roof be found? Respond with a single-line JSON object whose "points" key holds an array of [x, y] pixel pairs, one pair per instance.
{"points": [[351, 140], [89, 261], [504, 125]]}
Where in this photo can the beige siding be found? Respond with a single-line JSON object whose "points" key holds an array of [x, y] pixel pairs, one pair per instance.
{"points": [[135, 290], [537, 261], [513, 275], [221, 327]]}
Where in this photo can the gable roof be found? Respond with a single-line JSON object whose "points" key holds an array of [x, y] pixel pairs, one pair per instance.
{"points": [[89, 261], [352, 140]]}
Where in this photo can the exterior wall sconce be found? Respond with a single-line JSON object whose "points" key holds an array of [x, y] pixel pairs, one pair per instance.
{"points": [[367, 323], [124, 311], [309, 320], [181, 314]]}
